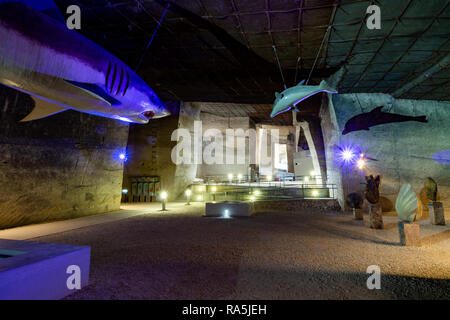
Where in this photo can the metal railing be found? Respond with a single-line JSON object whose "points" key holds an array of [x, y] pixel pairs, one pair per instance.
{"points": [[267, 191]]}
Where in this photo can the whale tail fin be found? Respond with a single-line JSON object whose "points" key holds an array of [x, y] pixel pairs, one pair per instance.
{"points": [[422, 119]]}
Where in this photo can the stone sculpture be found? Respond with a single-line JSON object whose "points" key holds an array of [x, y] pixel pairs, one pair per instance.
{"points": [[355, 200], [372, 192], [372, 195]]}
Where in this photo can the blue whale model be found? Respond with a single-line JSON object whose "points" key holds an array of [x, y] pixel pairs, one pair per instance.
{"points": [[60, 69], [292, 96]]}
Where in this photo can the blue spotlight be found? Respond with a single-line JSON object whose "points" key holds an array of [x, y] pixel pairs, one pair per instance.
{"points": [[347, 154]]}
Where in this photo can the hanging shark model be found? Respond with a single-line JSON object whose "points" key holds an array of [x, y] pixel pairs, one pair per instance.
{"points": [[376, 117], [60, 69], [292, 96]]}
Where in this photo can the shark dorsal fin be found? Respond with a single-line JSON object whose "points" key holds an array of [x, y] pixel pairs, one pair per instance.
{"points": [[42, 109], [301, 83]]}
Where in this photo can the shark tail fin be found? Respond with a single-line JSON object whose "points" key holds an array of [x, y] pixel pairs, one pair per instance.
{"points": [[421, 119]]}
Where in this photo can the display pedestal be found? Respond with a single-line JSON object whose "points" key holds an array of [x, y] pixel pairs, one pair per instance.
{"points": [[436, 211], [357, 214], [409, 234], [375, 216]]}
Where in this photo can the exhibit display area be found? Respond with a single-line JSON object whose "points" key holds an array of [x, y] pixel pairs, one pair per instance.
{"points": [[222, 150]]}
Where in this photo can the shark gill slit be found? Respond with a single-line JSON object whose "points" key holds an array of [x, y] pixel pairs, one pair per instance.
{"points": [[120, 82], [113, 78], [107, 75], [127, 84]]}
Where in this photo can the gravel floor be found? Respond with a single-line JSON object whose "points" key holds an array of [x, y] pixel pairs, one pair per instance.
{"points": [[311, 255]]}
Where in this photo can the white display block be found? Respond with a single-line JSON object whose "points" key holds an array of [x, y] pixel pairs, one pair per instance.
{"points": [[41, 271], [228, 209]]}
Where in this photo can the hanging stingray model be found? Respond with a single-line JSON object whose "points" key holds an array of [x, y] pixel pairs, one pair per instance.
{"points": [[292, 96], [60, 69], [376, 117]]}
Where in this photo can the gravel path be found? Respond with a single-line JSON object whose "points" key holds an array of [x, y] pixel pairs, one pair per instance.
{"points": [[311, 255]]}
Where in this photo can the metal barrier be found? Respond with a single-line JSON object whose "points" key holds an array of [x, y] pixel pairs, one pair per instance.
{"points": [[262, 191], [245, 179]]}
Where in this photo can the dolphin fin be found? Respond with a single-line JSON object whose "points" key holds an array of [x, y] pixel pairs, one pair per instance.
{"points": [[324, 85], [377, 109], [42, 109], [45, 6], [301, 83], [277, 95], [96, 91]]}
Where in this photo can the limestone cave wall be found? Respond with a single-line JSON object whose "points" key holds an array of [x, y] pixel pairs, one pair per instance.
{"points": [[60, 167]]}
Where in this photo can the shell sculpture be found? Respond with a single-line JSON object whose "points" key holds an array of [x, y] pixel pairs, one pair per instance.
{"points": [[406, 203]]}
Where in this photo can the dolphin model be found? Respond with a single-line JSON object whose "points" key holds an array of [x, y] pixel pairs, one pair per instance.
{"points": [[60, 69], [376, 117], [292, 96]]}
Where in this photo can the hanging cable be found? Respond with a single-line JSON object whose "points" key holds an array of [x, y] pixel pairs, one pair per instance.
{"points": [[151, 40], [279, 66], [296, 71], [318, 53]]}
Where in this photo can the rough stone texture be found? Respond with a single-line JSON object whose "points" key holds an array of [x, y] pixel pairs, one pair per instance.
{"points": [[375, 216], [60, 167], [331, 136], [409, 234], [407, 152], [437, 215], [358, 214], [295, 205], [150, 147], [241, 160]]}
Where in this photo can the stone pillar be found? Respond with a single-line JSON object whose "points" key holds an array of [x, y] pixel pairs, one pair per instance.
{"points": [[185, 173], [375, 216], [313, 134], [409, 234], [437, 216]]}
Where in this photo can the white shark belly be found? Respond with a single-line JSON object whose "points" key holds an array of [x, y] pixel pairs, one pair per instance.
{"points": [[53, 89]]}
